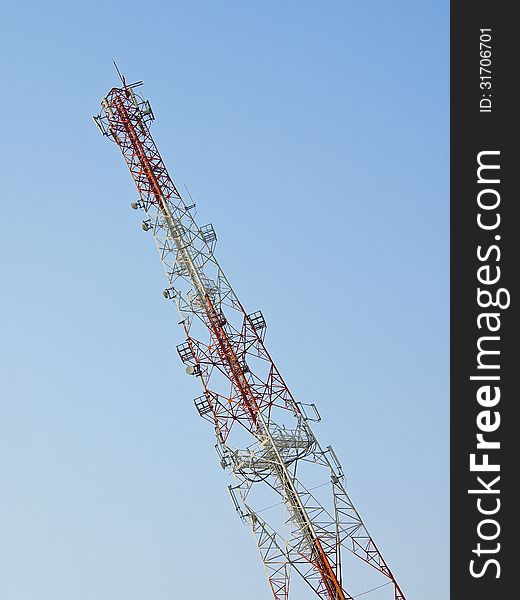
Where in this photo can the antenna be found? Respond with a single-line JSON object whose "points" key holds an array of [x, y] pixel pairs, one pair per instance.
{"points": [[119, 73], [189, 193]]}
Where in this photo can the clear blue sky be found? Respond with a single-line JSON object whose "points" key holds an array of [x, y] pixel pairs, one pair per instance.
{"points": [[314, 136]]}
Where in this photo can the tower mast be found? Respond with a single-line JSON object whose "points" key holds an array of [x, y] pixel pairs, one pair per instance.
{"points": [[263, 435]]}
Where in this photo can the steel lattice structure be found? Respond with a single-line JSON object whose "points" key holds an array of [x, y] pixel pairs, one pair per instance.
{"points": [[263, 434]]}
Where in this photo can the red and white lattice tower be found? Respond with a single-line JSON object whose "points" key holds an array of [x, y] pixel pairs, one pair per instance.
{"points": [[264, 438]]}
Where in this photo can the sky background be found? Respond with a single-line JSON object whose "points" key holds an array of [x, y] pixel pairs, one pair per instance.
{"points": [[314, 136]]}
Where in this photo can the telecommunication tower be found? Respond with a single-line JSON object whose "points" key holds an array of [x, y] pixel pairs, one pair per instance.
{"points": [[263, 435]]}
